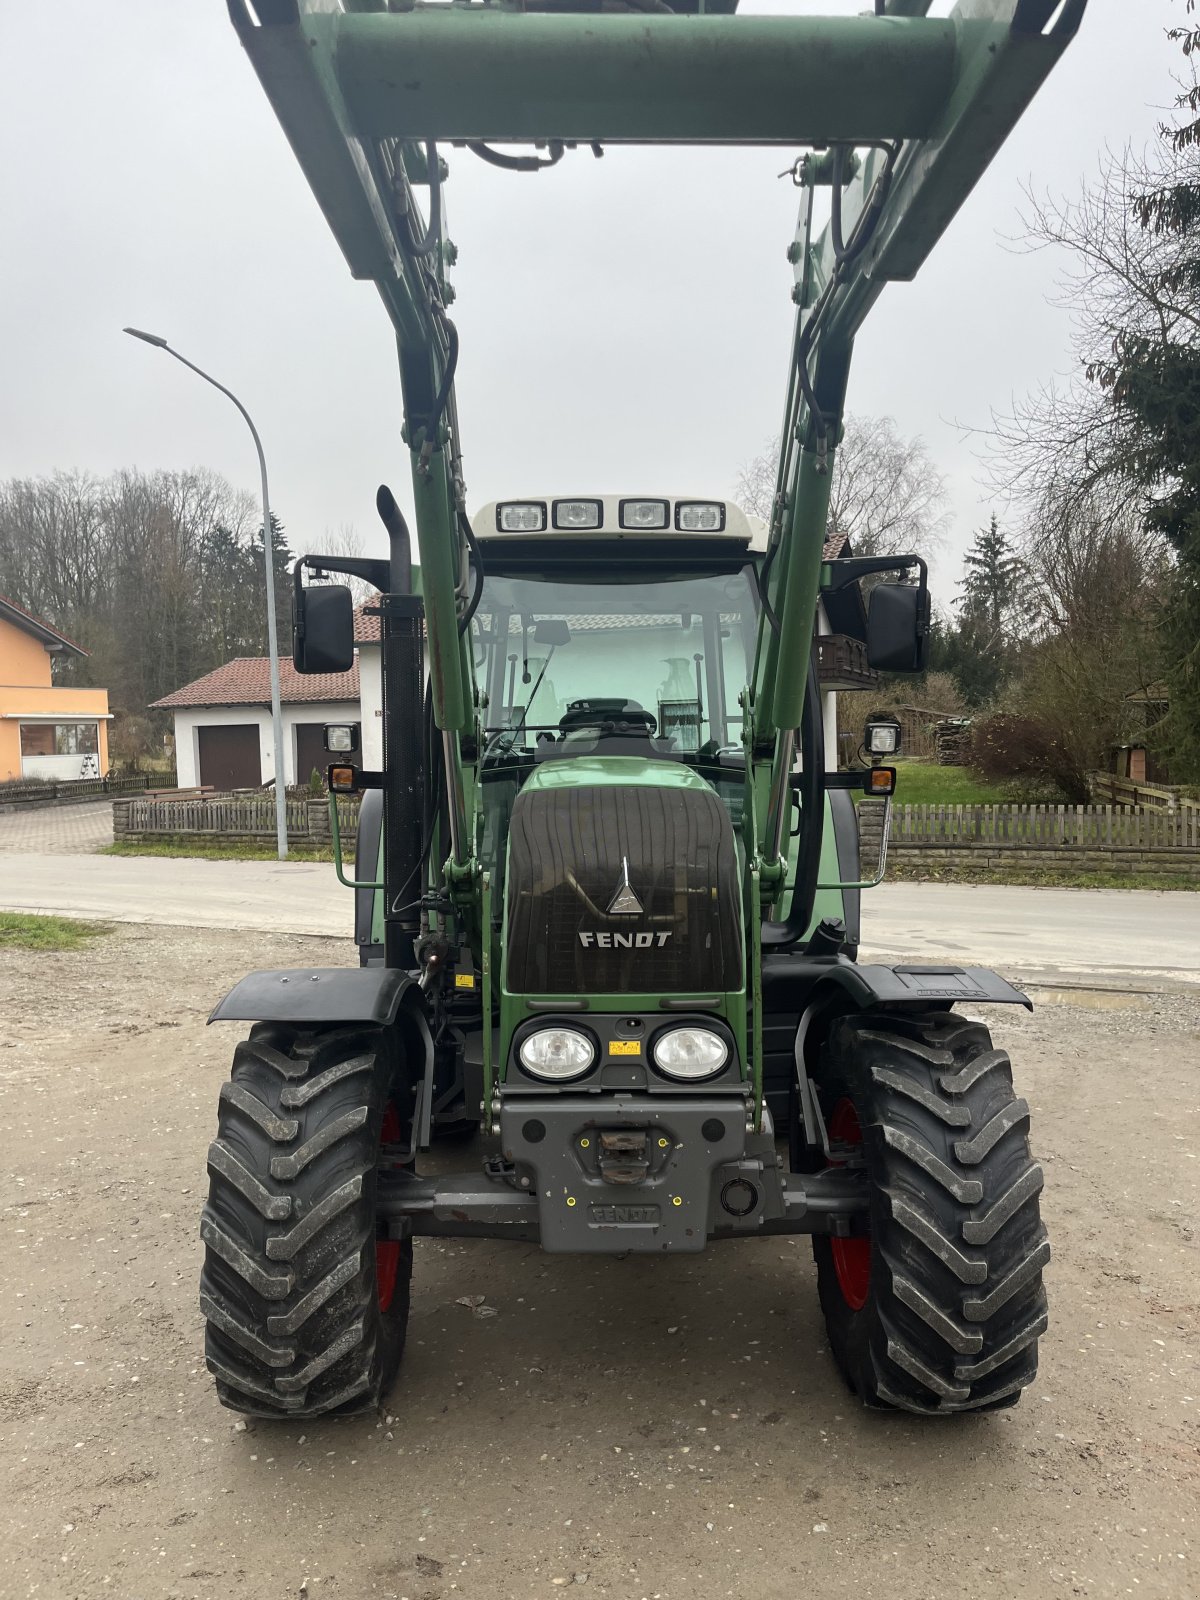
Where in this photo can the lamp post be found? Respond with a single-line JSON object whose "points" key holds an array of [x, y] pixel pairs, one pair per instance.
{"points": [[269, 565]]}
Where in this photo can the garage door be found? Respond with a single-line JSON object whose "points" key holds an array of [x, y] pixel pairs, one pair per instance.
{"points": [[229, 757], [310, 751]]}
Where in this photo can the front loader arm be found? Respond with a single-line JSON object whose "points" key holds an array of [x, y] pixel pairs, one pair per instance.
{"points": [[895, 203], [365, 188]]}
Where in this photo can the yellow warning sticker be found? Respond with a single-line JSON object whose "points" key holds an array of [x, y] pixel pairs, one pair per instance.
{"points": [[624, 1047], [464, 980]]}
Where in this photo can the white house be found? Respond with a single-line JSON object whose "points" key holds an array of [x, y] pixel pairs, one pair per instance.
{"points": [[369, 639], [223, 733]]}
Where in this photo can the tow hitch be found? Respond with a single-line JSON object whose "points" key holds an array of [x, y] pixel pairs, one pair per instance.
{"points": [[624, 1155]]}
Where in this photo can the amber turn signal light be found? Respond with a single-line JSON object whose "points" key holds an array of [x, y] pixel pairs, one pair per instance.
{"points": [[881, 781], [343, 780]]}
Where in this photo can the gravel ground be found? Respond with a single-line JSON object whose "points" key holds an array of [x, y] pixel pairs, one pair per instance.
{"points": [[658, 1429]]}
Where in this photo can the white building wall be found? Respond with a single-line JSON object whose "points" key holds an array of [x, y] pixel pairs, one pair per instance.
{"points": [[61, 769], [188, 723], [828, 702], [370, 690]]}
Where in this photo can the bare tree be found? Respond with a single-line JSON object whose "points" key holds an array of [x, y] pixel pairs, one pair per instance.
{"points": [[158, 575], [887, 496], [1120, 281], [1102, 466], [345, 540]]}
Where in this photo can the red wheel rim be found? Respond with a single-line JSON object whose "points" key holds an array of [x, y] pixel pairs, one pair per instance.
{"points": [[851, 1257], [387, 1251], [387, 1270]]}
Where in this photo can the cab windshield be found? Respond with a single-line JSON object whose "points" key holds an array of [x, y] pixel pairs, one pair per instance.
{"points": [[680, 648]]}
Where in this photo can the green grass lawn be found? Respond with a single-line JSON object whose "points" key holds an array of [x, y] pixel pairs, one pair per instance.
{"points": [[918, 784], [214, 850], [21, 932]]}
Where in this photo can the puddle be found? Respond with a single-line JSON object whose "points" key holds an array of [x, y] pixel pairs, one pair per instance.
{"points": [[1089, 999]]}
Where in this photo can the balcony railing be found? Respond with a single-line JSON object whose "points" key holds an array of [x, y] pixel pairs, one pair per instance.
{"points": [[842, 663]]}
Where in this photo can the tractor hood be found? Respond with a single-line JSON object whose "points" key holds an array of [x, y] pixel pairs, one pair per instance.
{"points": [[623, 877]]}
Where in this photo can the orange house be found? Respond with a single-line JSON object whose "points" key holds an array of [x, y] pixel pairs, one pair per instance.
{"points": [[45, 731]]}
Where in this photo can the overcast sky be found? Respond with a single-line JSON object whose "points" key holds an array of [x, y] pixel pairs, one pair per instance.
{"points": [[624, 322]]}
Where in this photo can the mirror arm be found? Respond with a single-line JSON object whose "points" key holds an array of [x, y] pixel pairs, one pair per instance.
{"points": [[375, 572], [298, 628], [849, 569]]}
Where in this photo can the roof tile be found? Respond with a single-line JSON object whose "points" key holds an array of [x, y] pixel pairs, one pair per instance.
{"points": [[39, 625], [246, 681]]}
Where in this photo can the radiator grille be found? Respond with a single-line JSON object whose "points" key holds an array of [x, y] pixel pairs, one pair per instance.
{"points": [[567, 849]]}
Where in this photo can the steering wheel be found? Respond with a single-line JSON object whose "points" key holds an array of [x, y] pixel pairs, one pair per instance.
{"points": [[608, 715]]}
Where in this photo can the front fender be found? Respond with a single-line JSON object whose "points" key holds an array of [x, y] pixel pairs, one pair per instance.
{"points": [[792, 980], [889, 986], [317, 995]]}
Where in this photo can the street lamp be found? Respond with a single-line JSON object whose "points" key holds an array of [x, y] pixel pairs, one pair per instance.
{"points": [[269, 564]]}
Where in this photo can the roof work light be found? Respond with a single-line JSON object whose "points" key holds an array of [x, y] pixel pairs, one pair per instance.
{"points": [[643, 516], [521, 516], [578, 515]]}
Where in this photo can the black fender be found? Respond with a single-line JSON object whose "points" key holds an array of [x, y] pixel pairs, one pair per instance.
{"points": [[314, 995], [381, 997], [793, 979], [879, 987]]}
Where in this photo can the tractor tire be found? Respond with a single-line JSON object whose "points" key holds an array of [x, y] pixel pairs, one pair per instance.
{"points": [[939, 1309], [306, 1307]]}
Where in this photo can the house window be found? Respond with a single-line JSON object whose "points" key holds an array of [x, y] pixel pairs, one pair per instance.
{"points": [[60, 738]]}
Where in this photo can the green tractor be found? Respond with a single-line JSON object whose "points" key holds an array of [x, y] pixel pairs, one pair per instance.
{"points": [[607, 874]]}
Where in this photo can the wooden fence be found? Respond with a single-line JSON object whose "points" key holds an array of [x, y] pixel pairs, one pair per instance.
{"points": [[1105, 837], [1106, 786], [47, 791], [229, 816], [1057, 827]]}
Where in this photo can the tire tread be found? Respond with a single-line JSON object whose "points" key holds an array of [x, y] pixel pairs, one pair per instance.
{"points": [[288, 1289], [956, 1304]]}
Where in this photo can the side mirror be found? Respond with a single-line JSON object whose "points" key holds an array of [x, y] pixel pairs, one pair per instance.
{"points": [[322, 627], [898, 627], [551, 631]]}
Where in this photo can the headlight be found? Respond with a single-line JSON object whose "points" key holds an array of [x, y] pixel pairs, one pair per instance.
{"points": [[690, 1053], [643, 514], [577, 514], [700, 516], [521, 516], [556, 1053]]}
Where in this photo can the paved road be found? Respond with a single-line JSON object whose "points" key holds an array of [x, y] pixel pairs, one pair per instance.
{"points": [[1130, 936], [282, 897]]}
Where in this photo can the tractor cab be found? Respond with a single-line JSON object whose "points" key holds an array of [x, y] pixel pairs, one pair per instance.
{"points": [[593, 627]]}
